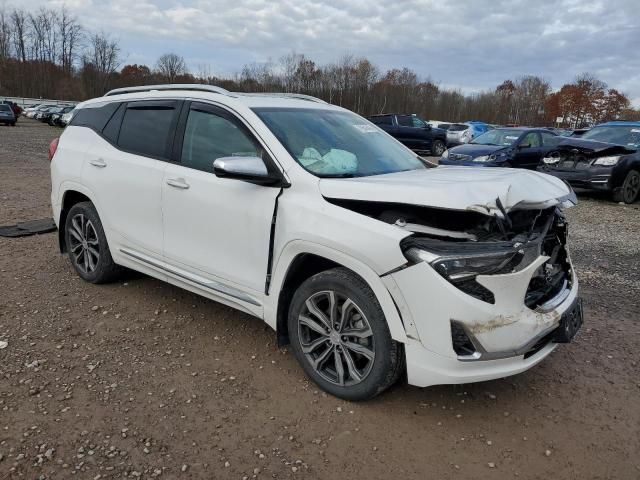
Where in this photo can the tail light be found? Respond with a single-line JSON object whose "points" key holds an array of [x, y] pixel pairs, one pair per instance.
{"points": [[53, 146]]}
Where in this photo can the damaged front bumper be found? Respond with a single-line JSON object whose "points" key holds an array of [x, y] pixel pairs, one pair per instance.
{"points": [[587, 177], [504, 338]]}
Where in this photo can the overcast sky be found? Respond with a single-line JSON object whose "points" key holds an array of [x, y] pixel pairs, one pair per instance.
{"points": [[471, 45]]}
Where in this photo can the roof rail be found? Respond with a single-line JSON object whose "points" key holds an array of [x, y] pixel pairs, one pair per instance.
{"points": [[170, 86], [281, 95]]}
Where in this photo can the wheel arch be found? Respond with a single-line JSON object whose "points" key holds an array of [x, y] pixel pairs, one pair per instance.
{"points": [[301, 260], [71, 194]]}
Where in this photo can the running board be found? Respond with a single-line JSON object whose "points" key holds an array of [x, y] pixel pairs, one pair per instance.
{"points": [[201, 282]]}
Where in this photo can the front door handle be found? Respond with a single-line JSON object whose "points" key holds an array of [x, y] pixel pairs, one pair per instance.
{"points": [[100, 163], [178, 183]]}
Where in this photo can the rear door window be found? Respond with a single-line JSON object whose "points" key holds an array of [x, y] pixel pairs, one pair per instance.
{"points": [[382, 120], [405, 120], [147, 128]]}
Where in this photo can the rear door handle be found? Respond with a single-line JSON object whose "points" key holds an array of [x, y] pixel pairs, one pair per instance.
{"points": [[100, 163], [178, 183]]}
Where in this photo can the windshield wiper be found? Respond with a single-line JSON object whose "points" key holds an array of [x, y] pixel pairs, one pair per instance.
{"points": [[337, 175]]}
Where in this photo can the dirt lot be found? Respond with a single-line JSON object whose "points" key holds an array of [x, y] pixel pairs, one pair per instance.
{"points": [[141, 379]]}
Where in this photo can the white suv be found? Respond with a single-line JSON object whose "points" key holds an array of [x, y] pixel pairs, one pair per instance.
{"points": [[365, 258]]}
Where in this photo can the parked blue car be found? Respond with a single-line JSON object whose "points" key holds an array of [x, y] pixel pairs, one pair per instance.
{"points": [[504, 147], [478, 127]]}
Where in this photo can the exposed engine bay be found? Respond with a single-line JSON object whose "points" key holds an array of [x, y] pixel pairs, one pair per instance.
{"points": [[583, 154], [461, 245]]}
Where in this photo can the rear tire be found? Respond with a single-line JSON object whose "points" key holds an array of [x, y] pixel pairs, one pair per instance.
{"points": [[437, 148], [87, 245], [340, 336]]}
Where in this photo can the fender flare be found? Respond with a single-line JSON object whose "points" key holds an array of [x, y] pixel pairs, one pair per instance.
{"points": [[65, 187], [297, 247]]}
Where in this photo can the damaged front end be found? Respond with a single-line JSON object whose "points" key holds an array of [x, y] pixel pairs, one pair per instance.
{"points": [[587, 164], [511, 271], [496, 246]]}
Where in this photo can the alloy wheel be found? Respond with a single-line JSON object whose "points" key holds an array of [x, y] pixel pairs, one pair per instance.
{"points": [[438, 149], [631, 187], [83, 243], [336, 338]]}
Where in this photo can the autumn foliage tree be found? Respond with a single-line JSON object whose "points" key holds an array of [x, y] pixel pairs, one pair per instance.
{"points": [[586, 101]]}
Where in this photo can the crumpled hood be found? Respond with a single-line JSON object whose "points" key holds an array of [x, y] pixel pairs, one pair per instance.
{"points": [[592, 146], [455, 188]]}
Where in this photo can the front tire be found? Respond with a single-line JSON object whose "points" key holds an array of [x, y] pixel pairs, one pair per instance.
{"points": [[87, 245], [340, 336], [437, 148], [630, 189]]}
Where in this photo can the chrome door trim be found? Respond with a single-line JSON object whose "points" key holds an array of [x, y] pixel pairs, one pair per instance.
{"points": [[208, 284]]}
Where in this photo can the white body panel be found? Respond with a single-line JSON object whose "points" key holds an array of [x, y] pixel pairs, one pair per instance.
{"points": [[129, 187], [218, 228], [214, 236]]}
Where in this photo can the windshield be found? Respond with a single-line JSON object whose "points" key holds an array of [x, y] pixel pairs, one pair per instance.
{"points": [[499, 136], [5, 108], [332, 143], [626, 135]]}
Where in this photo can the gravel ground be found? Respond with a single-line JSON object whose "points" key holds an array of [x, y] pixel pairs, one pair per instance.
{"points": [[139, 379]]}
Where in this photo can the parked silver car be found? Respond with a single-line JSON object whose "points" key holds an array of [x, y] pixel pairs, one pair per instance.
{"points": [[459, 133]]}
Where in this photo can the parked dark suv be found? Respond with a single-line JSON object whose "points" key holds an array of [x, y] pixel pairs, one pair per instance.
{"points": [[413, 132]]}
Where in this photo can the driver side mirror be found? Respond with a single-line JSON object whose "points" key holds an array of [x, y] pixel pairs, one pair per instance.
{"points": [[524, 145], [248, 169]]}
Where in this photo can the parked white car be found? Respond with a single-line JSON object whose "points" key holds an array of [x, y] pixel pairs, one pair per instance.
{"points": [[368, 261], [66, 118]]}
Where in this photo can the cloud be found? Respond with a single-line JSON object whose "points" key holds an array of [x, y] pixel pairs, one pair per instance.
{"points": [[473, 45]]}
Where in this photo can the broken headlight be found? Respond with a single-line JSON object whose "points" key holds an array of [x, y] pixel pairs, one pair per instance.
{"points": [[466, 266], [461, 262], [609, 161]]}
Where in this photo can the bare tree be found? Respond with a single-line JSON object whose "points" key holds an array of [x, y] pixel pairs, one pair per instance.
{"points": [[20, 33], [170, 66], [100, 62], [5, 35], [70, 33]]}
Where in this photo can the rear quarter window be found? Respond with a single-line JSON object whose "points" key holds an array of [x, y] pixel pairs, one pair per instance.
{"points": [[94, 118]]}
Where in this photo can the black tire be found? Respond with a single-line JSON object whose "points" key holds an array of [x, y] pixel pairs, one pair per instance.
{"points": [[364, 315], [629, 191], [84, 222], [437, 148]]}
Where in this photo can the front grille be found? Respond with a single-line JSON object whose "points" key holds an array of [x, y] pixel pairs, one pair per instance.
{"points": [[462, 345], [572, 161]]}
